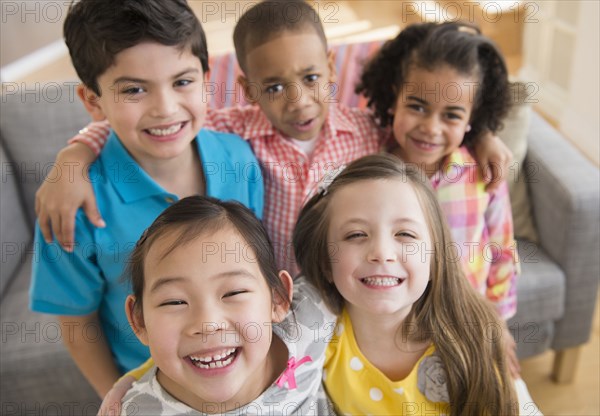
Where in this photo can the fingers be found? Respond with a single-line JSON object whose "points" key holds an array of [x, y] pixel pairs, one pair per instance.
{"points": [[45, 227], [112, 409], [65, 229], [91, 212], [495, 173]]}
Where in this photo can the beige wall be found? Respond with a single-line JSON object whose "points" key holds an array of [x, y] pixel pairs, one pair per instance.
{"points": [[26, 26]]}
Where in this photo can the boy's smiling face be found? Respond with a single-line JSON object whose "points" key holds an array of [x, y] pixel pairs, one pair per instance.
{"points": [[289, 78], [153, 98]]}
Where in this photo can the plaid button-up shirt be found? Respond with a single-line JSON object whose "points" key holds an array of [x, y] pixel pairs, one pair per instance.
{"points": [[290, 175], [482, 229]]}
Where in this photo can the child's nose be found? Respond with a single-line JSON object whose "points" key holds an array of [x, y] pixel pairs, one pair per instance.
{"points": [[204, 321], [381, 250], [164, 104], [299, 96], [431, 125]]}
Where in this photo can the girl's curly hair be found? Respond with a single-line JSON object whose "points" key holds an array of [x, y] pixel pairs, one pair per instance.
{"points": [[429, 46]]}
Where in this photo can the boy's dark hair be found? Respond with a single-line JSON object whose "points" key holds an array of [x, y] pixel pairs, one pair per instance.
{"points": [[429, 46], [197, 216], [265, 20], [97, 30]]}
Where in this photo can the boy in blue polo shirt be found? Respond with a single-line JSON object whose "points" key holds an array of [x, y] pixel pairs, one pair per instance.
{"points": [[143, 64]]}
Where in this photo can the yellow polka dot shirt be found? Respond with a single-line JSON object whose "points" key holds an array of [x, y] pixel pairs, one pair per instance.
{"points": [[358, 388]]}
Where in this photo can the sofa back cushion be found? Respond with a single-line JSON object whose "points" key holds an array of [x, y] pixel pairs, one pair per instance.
{"points": [[36, 123], [16, 232]]}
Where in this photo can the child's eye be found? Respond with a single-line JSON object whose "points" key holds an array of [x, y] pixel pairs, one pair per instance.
{"points": [[311, 79], [405, 234], [273, 89], [417, 107], [183, 82], [453, 116], [234, 293], [132, 90], [176, 302], [355, 235]]}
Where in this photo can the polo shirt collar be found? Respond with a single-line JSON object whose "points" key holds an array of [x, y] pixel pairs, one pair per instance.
{"points": [[129, 179]]}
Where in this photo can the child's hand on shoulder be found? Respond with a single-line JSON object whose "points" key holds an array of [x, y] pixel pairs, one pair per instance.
{"points": [[65, 189], [494, 159], [111, 405]]}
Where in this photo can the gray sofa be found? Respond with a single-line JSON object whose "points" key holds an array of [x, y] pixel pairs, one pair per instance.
{"points": [[557, 289]]}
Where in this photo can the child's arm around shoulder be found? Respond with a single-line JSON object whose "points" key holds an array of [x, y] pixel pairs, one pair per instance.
{"points": [[66, 188], [493, 158], [111, 405]]}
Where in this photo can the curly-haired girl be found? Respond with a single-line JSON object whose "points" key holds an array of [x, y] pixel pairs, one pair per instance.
{"points": [[439, 86]]}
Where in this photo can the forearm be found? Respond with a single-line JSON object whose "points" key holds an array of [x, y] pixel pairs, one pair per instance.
{"points": [[76, 157], [93, 357]]}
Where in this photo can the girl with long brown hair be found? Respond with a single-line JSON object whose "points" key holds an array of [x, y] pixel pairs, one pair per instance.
{"points": [[412, 335]]}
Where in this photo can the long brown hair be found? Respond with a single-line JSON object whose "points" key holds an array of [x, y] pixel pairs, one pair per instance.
{"points": [[460, 323]]}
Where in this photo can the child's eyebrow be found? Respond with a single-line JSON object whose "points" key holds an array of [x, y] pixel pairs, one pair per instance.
{"points": [[143, 81], [271, 80], [424, 102], [162, 281], [237, 273], [165, 281]]}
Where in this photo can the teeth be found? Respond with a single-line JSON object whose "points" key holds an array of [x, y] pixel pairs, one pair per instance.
{"points": [[381, 281], [165, 132], [211, 359], [426, 144], [213, 364]]}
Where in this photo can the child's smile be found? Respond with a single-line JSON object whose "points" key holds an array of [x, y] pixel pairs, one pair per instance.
{"points": [[153, 95], [431, 115], [380, 246], [207, 314], [220, 359], [382, 281]]}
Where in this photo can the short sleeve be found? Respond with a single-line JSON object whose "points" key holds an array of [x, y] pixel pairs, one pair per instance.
{"points": [[66, 283]]}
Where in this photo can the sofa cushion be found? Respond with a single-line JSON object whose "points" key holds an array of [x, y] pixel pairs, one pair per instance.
{"points": [[16, 232], [514, 135], [540, 287], [37, 375], [35, 126]]}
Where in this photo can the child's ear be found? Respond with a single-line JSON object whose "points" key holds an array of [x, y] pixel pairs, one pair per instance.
{"points": [[90, 101], [281, 306], [136, 320], [331, 65], [251, 89]]}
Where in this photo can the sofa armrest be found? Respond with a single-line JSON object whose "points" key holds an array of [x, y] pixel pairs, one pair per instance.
{"points": [[16, 234], [564, 188]]}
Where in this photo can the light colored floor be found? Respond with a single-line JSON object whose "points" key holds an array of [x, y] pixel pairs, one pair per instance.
{"points": [[582, 397], [360, 20]]}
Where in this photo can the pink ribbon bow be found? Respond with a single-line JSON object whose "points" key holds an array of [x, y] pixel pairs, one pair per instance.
{"points": [[288, 374]]}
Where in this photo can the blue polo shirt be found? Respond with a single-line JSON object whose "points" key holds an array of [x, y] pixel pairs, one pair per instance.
{"points": [[92, 277]]}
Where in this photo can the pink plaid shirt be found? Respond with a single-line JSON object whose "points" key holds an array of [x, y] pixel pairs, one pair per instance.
{"points": [[482, 229], [289, 174]]}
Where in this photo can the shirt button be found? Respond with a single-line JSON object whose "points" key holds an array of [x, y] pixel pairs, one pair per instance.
{"points": [[169, 200]]}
